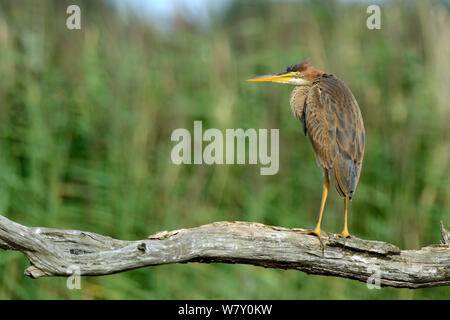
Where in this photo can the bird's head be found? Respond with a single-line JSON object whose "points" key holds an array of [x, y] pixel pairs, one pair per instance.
{"points": [[301, 74]]}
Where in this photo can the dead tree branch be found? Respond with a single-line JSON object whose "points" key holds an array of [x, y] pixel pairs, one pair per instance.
{"points": [[54, 252]]}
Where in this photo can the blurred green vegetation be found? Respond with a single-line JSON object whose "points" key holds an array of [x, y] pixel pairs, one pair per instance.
{"points": [[86, 118]]}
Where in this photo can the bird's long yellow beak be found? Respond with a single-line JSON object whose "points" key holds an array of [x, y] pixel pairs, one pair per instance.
{"points": [[280, 77]]}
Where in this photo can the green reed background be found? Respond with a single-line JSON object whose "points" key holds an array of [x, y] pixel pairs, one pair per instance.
{"points": [[86, 118]]}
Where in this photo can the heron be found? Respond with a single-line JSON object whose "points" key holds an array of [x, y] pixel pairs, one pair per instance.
{"points": [[330, 116]]}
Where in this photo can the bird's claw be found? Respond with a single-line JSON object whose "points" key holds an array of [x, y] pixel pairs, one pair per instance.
{"points": [[345, 235], [313, 232]]}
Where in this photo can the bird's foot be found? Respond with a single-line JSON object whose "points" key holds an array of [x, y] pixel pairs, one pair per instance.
{"points": [[345, 235], [313, 232]]}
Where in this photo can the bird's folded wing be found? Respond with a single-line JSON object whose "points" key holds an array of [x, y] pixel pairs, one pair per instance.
{"points": [[336, 130]]}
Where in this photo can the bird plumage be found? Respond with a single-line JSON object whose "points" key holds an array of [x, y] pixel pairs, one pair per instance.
{"points": [[330, 116]]}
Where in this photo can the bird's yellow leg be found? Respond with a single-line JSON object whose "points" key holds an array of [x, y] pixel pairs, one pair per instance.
{"points": [[345, 233], [326, 187]]}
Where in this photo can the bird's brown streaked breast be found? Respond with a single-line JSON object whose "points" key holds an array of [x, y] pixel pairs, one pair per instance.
{"points": [[298, 104]]}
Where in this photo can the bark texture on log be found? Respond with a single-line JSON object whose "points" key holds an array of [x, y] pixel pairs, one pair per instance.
{"points": [[55, 252]]}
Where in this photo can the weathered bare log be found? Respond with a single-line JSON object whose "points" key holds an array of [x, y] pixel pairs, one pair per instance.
{"points": [[54, 252]]}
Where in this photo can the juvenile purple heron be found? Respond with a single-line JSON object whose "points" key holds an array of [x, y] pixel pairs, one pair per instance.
{"points": [[330, 116]]}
